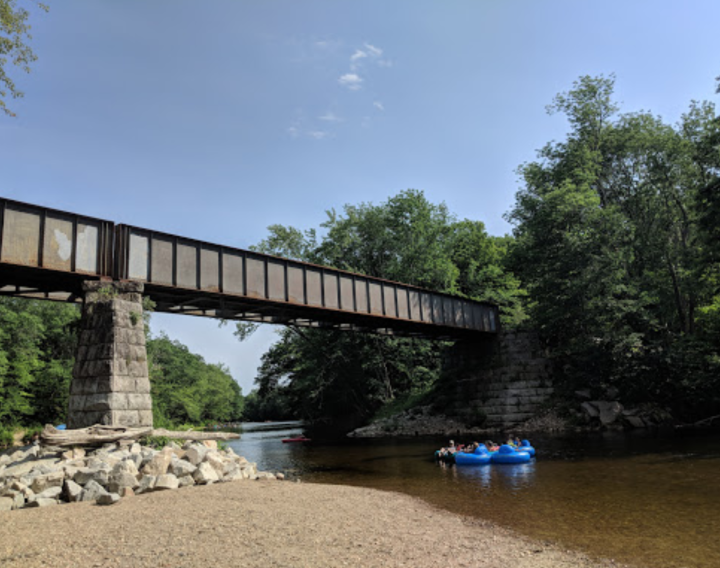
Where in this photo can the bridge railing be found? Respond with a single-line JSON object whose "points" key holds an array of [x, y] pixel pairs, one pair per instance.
{"points": [[33, 237], [172, 263]]}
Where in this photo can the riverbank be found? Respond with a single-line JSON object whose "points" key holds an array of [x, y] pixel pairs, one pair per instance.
{"points": [[422, 421], [267, 524]]}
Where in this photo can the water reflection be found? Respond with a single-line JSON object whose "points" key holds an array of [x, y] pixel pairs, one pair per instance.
{"points": [[261, 442], [512, 478]]}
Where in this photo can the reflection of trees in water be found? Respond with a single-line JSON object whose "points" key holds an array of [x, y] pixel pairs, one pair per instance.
{"points": [[513, 477]]}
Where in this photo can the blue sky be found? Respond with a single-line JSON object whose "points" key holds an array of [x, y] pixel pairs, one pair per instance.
{"points": [[216, 119]]}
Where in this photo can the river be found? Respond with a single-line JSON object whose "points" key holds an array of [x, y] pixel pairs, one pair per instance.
{"points": [[646, 499]]}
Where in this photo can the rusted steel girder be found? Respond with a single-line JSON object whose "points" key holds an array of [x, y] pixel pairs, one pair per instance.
{"points": [[48, 253]]}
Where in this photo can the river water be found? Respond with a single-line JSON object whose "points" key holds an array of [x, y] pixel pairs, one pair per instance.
{"points": [[648, 499]]}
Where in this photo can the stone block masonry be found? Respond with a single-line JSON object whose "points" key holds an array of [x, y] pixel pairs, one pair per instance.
{"points": [[504, 382], [110, 382]]}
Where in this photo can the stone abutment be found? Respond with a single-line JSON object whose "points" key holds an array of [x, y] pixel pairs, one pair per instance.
{"points": [[499, 382]]}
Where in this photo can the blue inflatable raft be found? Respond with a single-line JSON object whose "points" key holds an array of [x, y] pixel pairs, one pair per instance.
{"points": [[526, 447], [479, 457], [507, 454]]}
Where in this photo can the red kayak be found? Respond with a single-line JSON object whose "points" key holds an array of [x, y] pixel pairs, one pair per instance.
{"points": [[296, 439]]}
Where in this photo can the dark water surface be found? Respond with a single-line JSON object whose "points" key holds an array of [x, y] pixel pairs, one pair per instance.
{"points": [[649, 500]]}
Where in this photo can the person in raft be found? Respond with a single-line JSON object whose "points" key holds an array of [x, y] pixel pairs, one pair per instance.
{"points": [[491, 446], [450, 450], [513, 441]]}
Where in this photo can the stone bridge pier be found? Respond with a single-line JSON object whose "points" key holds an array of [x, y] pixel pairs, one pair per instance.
{"points": [[110, 383], [499, 382]]}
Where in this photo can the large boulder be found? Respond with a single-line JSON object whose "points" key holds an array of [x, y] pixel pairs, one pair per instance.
{"points": [[108, 499], [50, 493], [125, 466], [159, 464], [120, 480], [181, 468], [590, 409], [186, 481], [42, 482], [166, 481], [85, 475], [609, 411], [92, 491], [196, 453], [72, 491], [216, 461], [147, 483], [205, 474]]}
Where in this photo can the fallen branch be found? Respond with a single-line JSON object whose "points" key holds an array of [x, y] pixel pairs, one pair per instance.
{"points": [[98, 435], [188, 435], [706, 421]]}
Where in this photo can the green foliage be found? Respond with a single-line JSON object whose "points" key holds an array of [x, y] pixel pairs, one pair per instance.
{"points": [[244, 329], [157, 442], [273, 405], [403, 402], [616, 236], [186, 389], [6, 437], [14, 33], [37, 344], [107, 293], [31, 433]]}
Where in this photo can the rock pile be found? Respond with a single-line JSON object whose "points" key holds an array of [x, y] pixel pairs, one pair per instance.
{"points": [[418, 421], [36, 476], [612, 414]]}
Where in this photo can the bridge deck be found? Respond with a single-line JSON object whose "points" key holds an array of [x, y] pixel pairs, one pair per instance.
{"points": [[48, 254]]}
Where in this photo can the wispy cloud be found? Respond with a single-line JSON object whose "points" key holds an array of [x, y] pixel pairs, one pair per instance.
{"points": [[293, 131], [369, 52], [318, 134], [373, 51], [352, 81], [378, 105], [358, 55], [330, 116]]}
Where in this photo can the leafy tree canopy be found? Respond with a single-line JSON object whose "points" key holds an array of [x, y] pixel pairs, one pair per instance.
{"points": [[14, 49], [615, 228]]}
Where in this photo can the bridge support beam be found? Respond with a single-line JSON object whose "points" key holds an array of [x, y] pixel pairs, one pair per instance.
{"points": [[110, 382]]}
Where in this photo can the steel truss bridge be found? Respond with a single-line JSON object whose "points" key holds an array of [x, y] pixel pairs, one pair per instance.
{"points": [[48, 254]]}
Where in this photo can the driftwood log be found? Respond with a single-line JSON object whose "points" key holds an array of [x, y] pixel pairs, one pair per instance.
{"points": [[98, 435]]}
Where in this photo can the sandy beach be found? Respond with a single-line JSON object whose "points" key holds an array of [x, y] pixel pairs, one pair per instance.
{"points": [[267, 524]]}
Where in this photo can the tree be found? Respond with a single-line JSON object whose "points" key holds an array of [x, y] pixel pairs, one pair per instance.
{"points": [[609, 243], [186, 389], [37, 344], [14, 34]]}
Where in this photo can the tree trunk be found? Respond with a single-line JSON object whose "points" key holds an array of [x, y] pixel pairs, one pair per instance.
{"points": [[98, 435]]}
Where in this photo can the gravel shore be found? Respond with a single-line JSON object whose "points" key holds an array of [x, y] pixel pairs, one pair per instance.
{"points": [[266, 524]]}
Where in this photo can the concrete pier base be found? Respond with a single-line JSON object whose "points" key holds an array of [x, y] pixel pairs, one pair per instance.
{"points": [[110, 379]]}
